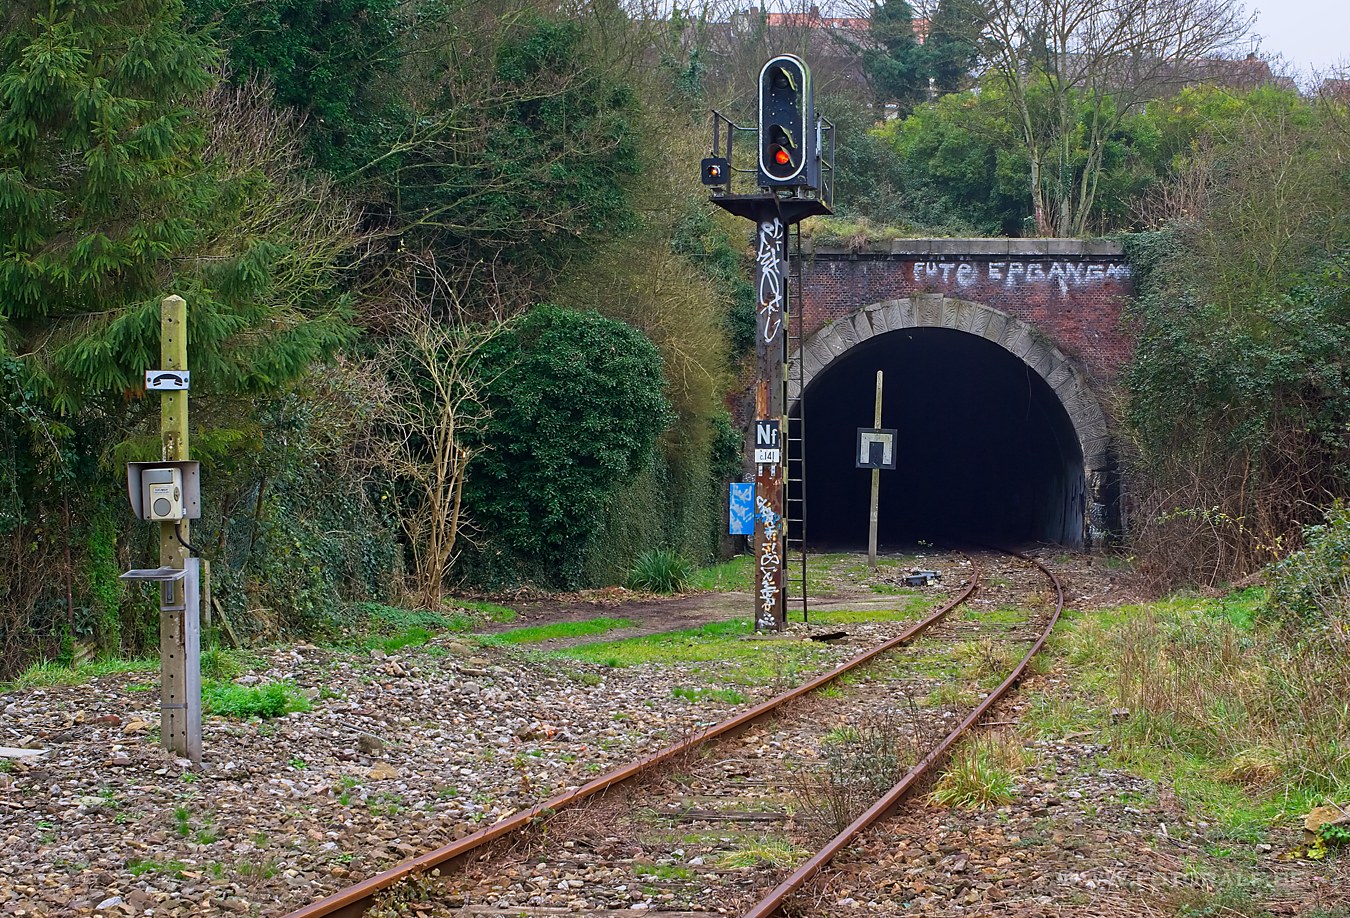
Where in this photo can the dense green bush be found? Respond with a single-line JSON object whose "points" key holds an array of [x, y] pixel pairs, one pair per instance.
{"points": [[1312, 586], [576, 404]]}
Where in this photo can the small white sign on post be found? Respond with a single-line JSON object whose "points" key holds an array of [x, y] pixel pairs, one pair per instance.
{"points": [[167, 380], [876, 448]]}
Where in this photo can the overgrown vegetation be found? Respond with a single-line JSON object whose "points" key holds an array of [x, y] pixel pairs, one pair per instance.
{"points": [[345, 193], [1241, 709], [461, 316], [861, 762], [1238, 397]]}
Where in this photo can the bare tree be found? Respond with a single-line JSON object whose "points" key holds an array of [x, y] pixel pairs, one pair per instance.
{"points": [[1073, 70], [433, 407]]}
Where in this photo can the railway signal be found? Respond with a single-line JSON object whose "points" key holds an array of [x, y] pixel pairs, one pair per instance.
{"points": [[794, 168], [786, 124], [716, 171]]}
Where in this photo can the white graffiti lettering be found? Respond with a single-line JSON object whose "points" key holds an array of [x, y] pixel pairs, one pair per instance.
{"points": [[1066, 275], [770, 279], [770, 562], [766, 512]]}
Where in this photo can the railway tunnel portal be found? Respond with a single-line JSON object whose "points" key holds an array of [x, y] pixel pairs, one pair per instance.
{"points": [[997, 400]]}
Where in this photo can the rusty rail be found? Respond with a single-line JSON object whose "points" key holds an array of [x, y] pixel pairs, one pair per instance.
{"points": [[773, 903], [354, 901]]}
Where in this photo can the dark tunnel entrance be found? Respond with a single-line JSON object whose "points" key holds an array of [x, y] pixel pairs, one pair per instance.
{"points": [[986, 452]]}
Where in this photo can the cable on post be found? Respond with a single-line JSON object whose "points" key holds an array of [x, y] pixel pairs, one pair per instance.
{"points": [[178, 534]]}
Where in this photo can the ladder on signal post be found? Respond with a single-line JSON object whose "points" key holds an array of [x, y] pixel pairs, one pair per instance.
{"points": [[795, 468]]}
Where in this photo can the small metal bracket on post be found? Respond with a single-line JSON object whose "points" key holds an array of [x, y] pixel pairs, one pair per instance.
{"points": [[180, 717]]}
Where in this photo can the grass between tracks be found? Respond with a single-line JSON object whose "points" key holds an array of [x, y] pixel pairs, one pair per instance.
{"points": [[1246, 718]]}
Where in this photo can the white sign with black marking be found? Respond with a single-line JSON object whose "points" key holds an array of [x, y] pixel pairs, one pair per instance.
{"points": [[767, 451], [876, 448], [167, 380]]}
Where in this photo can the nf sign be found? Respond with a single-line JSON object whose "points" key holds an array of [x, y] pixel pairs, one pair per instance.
{"points": [[767, 450], [876, 448]]}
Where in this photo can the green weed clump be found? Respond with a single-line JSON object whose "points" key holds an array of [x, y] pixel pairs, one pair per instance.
{"points": [[861, 762], [221, 665], [660, 571], [764, 851], [981, 773], [695, 695], [275, 699]]}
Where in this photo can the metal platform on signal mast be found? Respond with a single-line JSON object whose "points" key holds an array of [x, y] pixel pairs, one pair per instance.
{"points": [[756, 206]]}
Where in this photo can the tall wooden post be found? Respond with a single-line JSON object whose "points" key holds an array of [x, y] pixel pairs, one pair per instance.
{"points": [[179, 646], [770, 427], [876, 490]]}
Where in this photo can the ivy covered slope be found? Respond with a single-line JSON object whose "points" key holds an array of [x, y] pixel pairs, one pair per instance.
{"points": [[1240, 394]]}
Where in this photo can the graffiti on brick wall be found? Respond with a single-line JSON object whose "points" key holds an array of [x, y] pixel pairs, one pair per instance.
{"points": [[1067, 275], [770, 279]]}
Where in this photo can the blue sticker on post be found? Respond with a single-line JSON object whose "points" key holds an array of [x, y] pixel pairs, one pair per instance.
{"points": [[742, 508]]}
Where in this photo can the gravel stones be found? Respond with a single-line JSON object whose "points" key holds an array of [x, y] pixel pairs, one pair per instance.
{"points": [[392, 761]]}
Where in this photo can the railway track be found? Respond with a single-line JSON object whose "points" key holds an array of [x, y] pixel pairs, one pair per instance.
{"points": [[709, 823]]}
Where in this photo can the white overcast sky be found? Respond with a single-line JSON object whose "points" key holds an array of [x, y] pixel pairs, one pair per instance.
{"points": [[1311, 35]]}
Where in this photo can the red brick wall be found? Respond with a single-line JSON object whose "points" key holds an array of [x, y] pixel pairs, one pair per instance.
{"points": [[1073, 292]]}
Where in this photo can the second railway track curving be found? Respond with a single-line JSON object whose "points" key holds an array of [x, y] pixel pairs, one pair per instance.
{"points": [[725, 820]]}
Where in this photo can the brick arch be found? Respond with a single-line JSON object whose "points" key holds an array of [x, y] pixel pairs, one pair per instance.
{"points": [[1013, 335]]}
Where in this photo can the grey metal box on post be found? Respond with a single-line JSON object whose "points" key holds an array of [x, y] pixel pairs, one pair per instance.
{"points": [[138, 487]]}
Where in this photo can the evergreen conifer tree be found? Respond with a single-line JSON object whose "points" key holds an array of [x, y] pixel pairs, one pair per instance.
{"points": [[950, 49], [109, 200], [894, 63]]}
